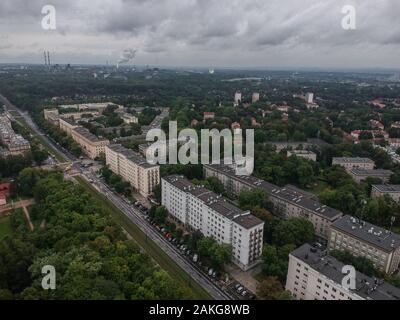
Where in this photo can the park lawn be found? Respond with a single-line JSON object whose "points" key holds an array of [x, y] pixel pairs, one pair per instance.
{"points": [[151, 248], [5, 227]]}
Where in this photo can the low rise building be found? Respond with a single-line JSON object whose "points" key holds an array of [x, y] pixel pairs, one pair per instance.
{"points": [[91, 145], [364, 239], [303, 154], [392, 190], [214, 216], [15, 143], [132, 167], [362, 174], [287, 202], [315, 275], [129, 118], [350, 163]]}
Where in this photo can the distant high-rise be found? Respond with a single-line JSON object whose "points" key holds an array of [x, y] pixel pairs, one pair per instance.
{"points": [[255, 97], [238, 98], [310, 97]]}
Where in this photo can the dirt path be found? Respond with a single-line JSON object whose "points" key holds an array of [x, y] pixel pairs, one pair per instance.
{"points": [[28, 218]]}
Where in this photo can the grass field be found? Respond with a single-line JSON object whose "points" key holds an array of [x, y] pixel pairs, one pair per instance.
{"points": [[161, 258], [5, 227]]}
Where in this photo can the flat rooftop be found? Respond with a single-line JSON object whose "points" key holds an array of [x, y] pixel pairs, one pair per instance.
{"points": [[131, 155], [373, 172], [87, 134], [215, 201], [369, 288], [387, 187], [368, 232], [289, 194], [352, 160]]}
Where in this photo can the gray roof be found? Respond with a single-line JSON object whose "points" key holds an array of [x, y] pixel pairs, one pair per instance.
{"points": [[214, 201], [366, 287], [131, 155], [371, 173], [289, 194], [352, 160], [87, 134], [387, 187], [367, 232]]}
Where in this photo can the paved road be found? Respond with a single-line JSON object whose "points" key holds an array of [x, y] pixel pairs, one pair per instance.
{"points": [[134, 215]]}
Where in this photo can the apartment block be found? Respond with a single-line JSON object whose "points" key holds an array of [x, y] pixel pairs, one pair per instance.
{"points": [[362, 174], [315, 275], [392, 190], [129, 118], [67, 125], [364, 239], [100, 107], [353, 163], [201, 209], [287, 202], [91, 145], [132, 167], [15, 143], [303, 154]]}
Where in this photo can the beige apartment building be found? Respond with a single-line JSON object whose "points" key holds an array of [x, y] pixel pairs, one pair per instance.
{"points": [[392, 190], [354, 163], [68, 125], [364, 239], [91, 145], [315, 275], [132, 167]]}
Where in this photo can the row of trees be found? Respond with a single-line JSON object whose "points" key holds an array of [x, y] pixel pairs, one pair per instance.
{"points": [[90, 253], [116, 181]]}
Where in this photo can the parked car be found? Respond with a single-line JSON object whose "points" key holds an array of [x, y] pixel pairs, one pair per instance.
{"points": [[210, 271], [244, 293], [195, 257], [240, 289]]}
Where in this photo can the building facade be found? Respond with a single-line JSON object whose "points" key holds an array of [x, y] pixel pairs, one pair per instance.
{"points": [[303, 154], [91, 145], [362, 174], [201, 209], [352, 163], [392, 190], [132, 167], [360, 238], [287, 202], [314, 275]]}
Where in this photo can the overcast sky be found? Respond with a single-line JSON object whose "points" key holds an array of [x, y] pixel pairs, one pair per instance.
{"points": [[205, 33]]}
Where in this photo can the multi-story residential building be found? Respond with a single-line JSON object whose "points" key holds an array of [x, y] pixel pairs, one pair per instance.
{"points": [[67, 125], [314, 275], [91, 145], [52, 116], [129, 118], [208, 115], [392, 190], [201, 209], [351, 163], [309, 97], [15, 143], [287, 202], [237, 98], [255, 97], [364, 239], [376, 134], [376, 124], [132, 167], [362, 174], [100, 107], [303, 154]]}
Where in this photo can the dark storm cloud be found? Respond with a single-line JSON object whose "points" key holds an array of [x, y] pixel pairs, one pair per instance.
{"points": [[212, 27]]}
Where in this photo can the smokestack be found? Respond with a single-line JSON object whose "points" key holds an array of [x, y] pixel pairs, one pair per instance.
{"points": [[45, 58], [48, 58]]}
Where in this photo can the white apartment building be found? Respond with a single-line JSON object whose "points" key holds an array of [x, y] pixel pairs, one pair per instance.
{"points": [[91, 145], [362, 174], [392, 190], [255, 97], [288, 202], [201, 209], [310, 97], [237, 98], [314, 275], [133, 168], [354, 163], [15, 143], [360, 238]]}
